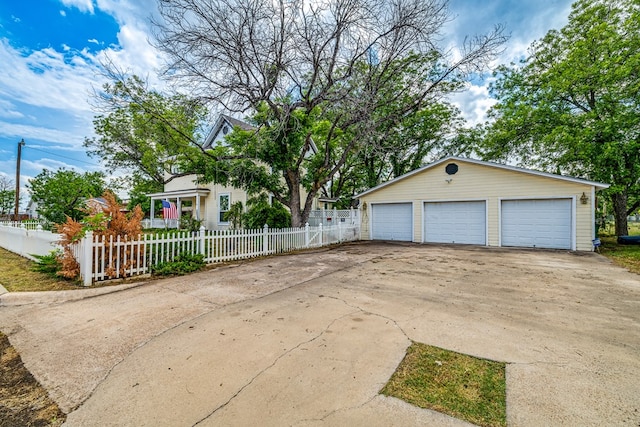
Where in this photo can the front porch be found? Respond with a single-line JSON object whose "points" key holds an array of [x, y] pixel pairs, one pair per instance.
{"points": [[186, 201]]}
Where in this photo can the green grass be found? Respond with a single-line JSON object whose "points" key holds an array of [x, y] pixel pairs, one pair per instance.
{"points": [[16, 275], [627, 256], [608, 230], [459, 385]]}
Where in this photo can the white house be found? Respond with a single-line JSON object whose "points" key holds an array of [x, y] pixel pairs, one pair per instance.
{"points": [[209, 202]]}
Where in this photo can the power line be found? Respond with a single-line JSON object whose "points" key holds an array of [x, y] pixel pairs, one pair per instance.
{"points": [[60, 155]]}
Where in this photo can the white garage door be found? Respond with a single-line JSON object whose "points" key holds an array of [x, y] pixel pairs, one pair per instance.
{"points": [[544, 223], [392, 221], [455, 222]]}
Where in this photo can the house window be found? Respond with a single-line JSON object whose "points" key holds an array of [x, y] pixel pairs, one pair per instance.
{"points": [[224, 203]]}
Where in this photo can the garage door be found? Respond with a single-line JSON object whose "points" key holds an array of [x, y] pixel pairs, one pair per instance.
{"points": [[544, 223], [392, 221], [455, 222]]}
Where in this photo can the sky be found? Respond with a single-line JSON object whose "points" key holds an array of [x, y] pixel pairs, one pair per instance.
{"points": [[51, 53]]}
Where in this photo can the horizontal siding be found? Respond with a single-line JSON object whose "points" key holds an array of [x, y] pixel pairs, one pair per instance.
{"points": [[181, 183], [478, 182]]}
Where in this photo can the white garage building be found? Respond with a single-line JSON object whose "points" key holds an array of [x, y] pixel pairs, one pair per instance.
{"points": [[466, 201]]}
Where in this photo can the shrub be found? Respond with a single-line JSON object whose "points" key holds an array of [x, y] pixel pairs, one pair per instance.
{"points": [[182, 264], [189, 223], [260, 212], [235, 215], [49, 264], [107, 223]]}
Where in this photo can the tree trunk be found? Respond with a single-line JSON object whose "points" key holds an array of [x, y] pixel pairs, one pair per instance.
{"points": [[293, 182], [619, 201]]}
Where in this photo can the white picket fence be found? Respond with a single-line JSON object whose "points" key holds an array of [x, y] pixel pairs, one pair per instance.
{"points": [[28, 224], [328, 217], [113, 259]]}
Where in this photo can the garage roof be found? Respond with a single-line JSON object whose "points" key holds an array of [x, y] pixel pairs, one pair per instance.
{"points": [[597, 185]]}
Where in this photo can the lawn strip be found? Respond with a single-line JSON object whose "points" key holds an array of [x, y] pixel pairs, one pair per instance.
{"points": [[16, 276], [23, 401], [456, 384], [627, 256]]}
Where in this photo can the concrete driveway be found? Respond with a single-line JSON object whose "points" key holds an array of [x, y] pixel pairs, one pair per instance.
{"points": [[311, 338]]}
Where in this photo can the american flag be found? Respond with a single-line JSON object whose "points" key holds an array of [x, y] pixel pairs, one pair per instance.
{"points": [[169, 210]]}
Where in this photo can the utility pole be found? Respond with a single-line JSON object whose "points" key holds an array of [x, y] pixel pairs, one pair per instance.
{"points": [[20, 145]]}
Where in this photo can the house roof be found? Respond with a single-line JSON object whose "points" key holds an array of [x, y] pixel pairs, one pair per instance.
{"points": [[597, 185], [235, 122], [217, 127]]}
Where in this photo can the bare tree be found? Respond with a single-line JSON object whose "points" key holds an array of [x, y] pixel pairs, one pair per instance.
{"points": [[359, 66]]}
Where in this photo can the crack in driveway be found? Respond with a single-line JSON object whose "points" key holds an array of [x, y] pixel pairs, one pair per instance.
{"points": [[271, 365]]}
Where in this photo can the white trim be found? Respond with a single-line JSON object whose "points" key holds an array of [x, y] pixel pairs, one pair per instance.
{"points": [[593, 213], [574, 223], [192, 192], [486, 215], [220, 211], [573, 214], [599, 185]]}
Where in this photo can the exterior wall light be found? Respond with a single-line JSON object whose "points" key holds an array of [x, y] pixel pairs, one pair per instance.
{"points": [[584, 199]]}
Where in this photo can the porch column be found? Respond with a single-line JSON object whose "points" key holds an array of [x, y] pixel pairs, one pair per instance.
{"points": [[179, 208], [153, 209], [197, 207]]}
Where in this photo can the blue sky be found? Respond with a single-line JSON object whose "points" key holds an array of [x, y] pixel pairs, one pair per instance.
{"points": [[51, 51]]}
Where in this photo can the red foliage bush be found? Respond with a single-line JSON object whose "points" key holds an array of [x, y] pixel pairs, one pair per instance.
{"points": [[110, 225]]}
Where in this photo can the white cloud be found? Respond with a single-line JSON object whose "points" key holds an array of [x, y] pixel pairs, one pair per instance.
{"points": [[82, 5], [15, 18], [93, 41], [9, 111], [135, 54], [474, 103], [29, 132], [524, 20], [50, 164], [51, 147], [44, 79]]}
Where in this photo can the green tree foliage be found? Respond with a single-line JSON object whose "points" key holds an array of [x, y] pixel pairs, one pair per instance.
{"points": [[144, 130], [139, 187], [428, 134], [573, 106], [64, 193], [322, 81]]}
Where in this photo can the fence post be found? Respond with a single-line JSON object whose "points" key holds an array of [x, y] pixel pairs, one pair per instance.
{"points": [[306, 235], [201, 236], [86, 261], [265, 239], [320, 234], [340, 231]]}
